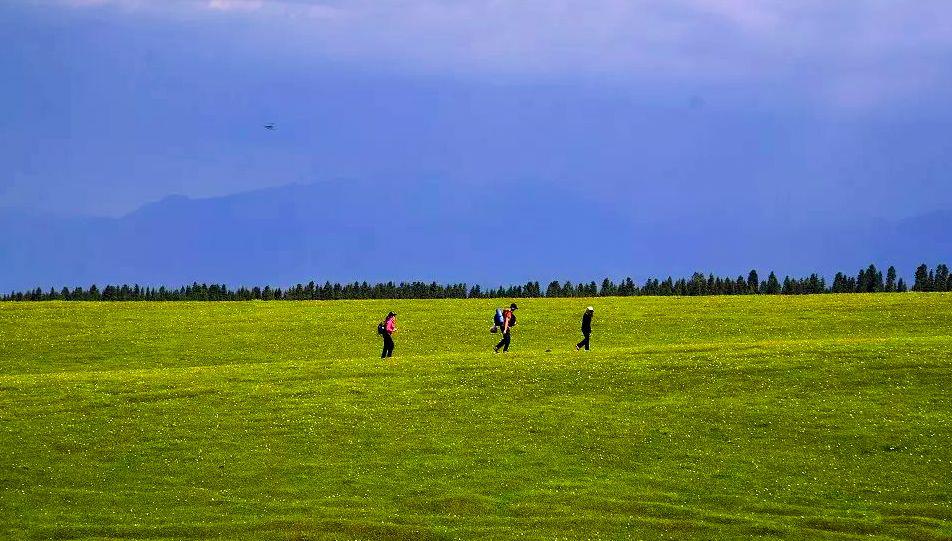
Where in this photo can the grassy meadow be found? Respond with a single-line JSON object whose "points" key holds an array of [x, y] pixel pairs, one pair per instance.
{"points": [[709, 417]]}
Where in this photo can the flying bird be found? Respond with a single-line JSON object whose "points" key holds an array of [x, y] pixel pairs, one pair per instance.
{"points": [[269, 126]]}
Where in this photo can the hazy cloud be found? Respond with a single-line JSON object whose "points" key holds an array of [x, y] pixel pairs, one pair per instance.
{"points": [[232, 5], [852, 54]]}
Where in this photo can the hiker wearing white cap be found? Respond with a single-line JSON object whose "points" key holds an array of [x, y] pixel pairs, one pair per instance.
{"points": [[586, 328]]}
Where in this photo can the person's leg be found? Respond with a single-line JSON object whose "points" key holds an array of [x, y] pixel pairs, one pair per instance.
{"points": [[501, 343], [383, 353], [588, 337], [506, 338], [390, 346], [584, 342]]}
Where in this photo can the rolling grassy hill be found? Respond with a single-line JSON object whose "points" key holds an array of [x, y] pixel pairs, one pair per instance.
{"points": [[819, 417]]}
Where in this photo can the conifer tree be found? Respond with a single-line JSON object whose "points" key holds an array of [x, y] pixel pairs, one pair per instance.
{"points": [[890, 285], [752, 281], [921, 282], [941, 279], [772, 285]]}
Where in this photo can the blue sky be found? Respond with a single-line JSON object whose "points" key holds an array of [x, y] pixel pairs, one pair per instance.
{"points": [[805, 111]]}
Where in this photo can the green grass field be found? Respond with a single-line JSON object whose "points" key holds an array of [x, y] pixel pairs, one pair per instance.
{"points": [[717, 417]]}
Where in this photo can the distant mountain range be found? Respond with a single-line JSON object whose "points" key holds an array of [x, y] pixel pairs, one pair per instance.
{"points": [[346, 231]]}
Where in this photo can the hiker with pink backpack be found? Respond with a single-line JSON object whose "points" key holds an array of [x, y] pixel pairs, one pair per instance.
{"points": [[386, 328]]}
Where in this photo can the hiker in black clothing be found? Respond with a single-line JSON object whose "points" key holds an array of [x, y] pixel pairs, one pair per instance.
{"points": [[387, 328], [586, 328], [509, 320]]}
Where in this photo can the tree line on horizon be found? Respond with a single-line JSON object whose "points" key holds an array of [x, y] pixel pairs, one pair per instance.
{"points": [[868, 280]]}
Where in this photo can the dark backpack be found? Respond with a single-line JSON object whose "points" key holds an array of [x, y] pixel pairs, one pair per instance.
{"points": [[381, 328]]}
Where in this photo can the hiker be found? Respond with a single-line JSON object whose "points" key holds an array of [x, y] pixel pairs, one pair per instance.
{"points": [[386, 329], [508, 322], [586, 328]]}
